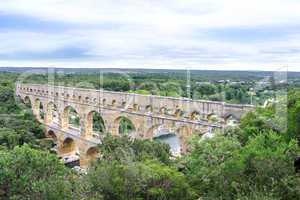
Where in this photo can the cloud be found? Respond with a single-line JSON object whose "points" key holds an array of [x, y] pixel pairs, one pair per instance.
{"points": [[165, 33]]}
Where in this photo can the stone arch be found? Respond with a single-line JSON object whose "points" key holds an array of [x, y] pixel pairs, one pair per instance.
{"points": [[124, 103], [212, 117], [103, 102], [68, 146], [195, 115], [36, 104], [89, 156], [95, 123], [38, 109], [149, 108], [122, 125], [92, 154], [135, 107], [52, 135], [178, 113], [184, 133], [67, 118], [52, 113], [113, 102], [27, 102], [152, 131], [163, 110], [231, 119]]}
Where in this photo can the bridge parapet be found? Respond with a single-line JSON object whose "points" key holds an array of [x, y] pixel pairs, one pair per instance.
{"points": [[181, 107]]}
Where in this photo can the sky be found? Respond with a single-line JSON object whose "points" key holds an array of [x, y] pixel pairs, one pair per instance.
{"points": [[171, 34]]}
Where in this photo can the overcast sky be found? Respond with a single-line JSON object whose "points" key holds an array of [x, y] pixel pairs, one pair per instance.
{"points": [[196, 34]]}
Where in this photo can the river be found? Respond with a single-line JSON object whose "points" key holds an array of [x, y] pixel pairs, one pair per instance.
{"points": [[172, 140]]}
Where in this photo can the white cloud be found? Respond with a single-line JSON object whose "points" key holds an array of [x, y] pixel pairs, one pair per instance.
{"points": [[163, 33]]}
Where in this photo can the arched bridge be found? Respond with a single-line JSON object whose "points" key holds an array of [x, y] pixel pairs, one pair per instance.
{"points": [[146, 113]]}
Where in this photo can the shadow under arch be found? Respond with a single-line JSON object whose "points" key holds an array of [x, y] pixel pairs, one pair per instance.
{"points": [[68, 146], [92, 154], [52, 135]]}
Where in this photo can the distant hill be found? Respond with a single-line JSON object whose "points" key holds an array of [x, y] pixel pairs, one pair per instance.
{"points": [[195, 74]]}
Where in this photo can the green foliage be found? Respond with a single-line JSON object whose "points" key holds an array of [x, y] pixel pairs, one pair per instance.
{"points": [[138, 180], [294, 114], [23, 128], [98, 123], [31, 174], [125, 150], [221, 168], [126, 126], [205, 165]]}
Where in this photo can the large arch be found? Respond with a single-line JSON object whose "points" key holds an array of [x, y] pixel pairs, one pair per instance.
{"points": [[52, 113], [182, 133], [68, 147], [123, 126], [95, 124], [153, 131], [70, 118], [89, 156], [92, 154], [38, 109]]}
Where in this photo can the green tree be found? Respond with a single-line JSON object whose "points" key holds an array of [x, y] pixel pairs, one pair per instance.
{"points": [[125, 150], [220, 168], [205, 165], [138, 180], [26, 173]]}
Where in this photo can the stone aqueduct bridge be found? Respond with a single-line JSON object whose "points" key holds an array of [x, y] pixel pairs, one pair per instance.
{"points": [[148, 113]]}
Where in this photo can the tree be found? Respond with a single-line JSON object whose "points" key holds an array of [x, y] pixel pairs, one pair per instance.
{"points": [[124, 149], [32, 174], [138, 180], [205, 165], [221, 168], [9, 138]]}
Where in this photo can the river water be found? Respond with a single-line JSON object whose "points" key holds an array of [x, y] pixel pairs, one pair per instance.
{"points": [[172, 140]]}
